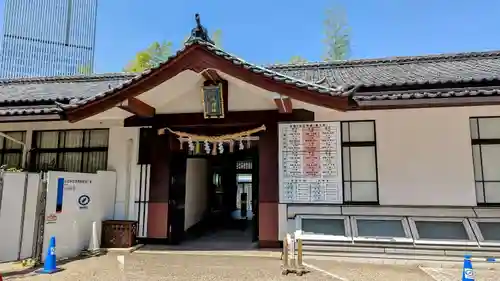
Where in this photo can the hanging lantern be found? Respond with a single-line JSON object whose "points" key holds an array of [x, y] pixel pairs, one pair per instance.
{"points": [[221, 147], [197, 148]]}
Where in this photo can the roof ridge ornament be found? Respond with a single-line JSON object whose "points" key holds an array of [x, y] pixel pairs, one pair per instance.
{"points": [[199, 32]]}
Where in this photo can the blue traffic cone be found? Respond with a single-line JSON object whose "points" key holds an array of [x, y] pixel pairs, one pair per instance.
{"points": [[468, 272], [49, 266]]}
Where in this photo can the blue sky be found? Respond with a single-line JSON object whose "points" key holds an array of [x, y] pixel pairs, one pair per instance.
{"points": [[270, 31]]}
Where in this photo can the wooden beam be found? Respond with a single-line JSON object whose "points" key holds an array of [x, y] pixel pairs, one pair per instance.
{"points": [[240, 118], [137, 107], [211, 75], [284, 104]]}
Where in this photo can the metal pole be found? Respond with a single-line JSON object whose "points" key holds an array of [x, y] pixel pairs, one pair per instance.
{"points": [[21, 231], [299, 253], [285, 252]]}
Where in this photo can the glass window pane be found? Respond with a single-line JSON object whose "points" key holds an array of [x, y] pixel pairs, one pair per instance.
{"points": [[491, 162], [98, 138], [363, 191], [324, 226], [14, 145], [363, 163], [489, 128], [490, 230], [492, 192], [46, 161], [361, 131], [94, 161], [345, 131], [73, 139], [70, 161], [347, 191], [473, 128], [346, 167], [380, 228], [480, 192], [476, 159], [13, 159], [47, 139], [441, 230]]}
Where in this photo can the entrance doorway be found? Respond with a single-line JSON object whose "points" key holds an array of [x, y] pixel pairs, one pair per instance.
{"points": [[214, 199]]}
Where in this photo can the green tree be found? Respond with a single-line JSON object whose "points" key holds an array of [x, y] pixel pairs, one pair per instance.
{"points": [[298, 60], [337, 35], [217, 38], [152, 56], [85, 69], [159, 52]]}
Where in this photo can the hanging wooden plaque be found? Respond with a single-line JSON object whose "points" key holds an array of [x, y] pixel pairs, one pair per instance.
{"points": [[213, 101]]}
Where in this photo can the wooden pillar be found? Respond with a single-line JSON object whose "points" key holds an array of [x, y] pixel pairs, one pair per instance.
{"points": [[268, 187], [159, 187]]}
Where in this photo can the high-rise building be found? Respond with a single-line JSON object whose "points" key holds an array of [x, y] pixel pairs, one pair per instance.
{"points": [[48, 37]]}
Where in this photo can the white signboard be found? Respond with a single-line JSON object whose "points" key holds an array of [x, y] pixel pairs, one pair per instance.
{"points": [[74, 202], [310, 163]]}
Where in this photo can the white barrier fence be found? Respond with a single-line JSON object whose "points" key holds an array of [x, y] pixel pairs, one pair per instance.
{"points": [[73, 202]]}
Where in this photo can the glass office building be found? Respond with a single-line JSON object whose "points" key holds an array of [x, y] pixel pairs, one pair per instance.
{"points": [[48, 37]]}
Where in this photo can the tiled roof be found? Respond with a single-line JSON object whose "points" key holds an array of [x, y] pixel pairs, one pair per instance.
{"points": [[29, 110], [400, 71], [47, 89], [429, 94], [17, 96], [277, 76]]}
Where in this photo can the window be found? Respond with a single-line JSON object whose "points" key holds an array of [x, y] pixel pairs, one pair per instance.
{"points": [[381, 229], [83, 151], [332, 228], [451, 231], [485, 134], [487, 231], [11, 153], [359, 162]]}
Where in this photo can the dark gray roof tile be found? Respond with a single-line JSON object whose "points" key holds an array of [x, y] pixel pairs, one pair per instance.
{"points": [[58, 88], [399, 71], [29, 110], [426, 94]]}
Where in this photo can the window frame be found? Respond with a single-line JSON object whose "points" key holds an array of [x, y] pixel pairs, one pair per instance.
{"points": [[480, 142], [61, 150], [465, 223], [323, 237], [358, 144], [4, 150], [404, 222], [479, 234]]}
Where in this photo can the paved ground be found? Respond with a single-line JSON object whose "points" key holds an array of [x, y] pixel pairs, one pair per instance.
{"points": [[448, 274], [181, 267]]}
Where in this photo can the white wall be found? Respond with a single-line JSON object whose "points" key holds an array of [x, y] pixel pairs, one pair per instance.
{"points": [[196, 191], [424, 155], [10, 215], [121, 158]]}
